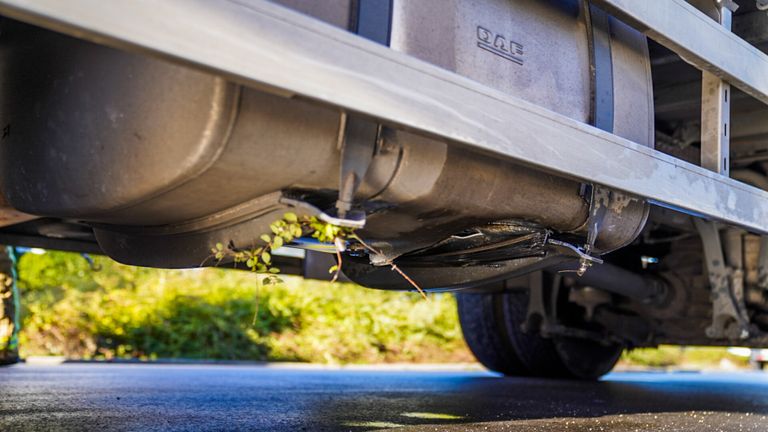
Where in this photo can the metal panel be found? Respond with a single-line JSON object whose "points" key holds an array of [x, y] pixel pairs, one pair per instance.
{"points": [[258, 43], [698, 39]]}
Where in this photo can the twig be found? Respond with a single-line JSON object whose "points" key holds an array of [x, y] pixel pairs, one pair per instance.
{"points": [[392, 265], [405, 276], [365, 245], [206, 260]]}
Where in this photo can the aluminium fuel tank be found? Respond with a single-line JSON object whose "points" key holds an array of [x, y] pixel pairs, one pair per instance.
{"points": [[136, 145]]}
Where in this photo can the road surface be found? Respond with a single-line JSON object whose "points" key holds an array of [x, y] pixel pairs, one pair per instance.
{"points": [[106, 397]]}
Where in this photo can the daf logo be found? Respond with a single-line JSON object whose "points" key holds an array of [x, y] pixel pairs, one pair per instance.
{"points": [[500, 45]]}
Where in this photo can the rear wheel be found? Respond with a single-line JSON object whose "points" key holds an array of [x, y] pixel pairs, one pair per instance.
{"points": [[483, 324], [492, 324]]}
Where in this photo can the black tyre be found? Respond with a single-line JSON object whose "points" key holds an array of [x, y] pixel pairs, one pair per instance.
{"points": [[492, 327], [9, 352], [586, 359], [482, 321]]}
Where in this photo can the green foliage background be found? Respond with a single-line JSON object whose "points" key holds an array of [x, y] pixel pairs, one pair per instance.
{"points": [[131, 312], [122, 311]]}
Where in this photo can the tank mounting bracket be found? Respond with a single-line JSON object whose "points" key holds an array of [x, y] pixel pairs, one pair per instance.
{"points": [[729, 316]]}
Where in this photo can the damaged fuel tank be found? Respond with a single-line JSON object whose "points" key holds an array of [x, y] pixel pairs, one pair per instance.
{"points": [[164, 161]]}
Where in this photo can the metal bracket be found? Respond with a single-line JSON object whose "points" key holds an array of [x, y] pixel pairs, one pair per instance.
{"points": [[730, 5], [537, 319], [541, 316], [598, 205], [729, 316], [325, 217], [589, 298], [358, 145], [762, 263], [716, 107], [582, 253]]}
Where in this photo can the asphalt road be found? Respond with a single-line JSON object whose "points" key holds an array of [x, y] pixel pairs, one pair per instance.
{"points": [[107, 397]]}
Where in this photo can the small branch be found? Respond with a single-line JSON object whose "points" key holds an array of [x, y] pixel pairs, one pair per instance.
{"points": [[365, 245], [405, 276], [206, 260], [284, 231], [392, 265]]}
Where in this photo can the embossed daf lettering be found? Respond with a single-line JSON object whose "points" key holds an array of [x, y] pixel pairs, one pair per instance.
{"points": [[500, 45]]}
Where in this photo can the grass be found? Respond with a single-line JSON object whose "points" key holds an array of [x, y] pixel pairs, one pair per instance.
{"points": [[122, 311], [131, 312], [668, 356]]}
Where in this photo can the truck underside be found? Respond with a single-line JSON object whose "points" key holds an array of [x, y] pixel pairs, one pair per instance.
{"points": [[546, 160]]}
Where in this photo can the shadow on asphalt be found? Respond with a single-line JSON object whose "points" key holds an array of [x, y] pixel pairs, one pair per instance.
{"points": [[496, 400]]}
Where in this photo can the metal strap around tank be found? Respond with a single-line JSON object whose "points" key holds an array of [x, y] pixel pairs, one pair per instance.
{"points": [[260, 44], [601, 63], [601, 109], [373, 20]]}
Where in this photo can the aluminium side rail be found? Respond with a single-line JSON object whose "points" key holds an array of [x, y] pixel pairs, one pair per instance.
{"points": [[264, 45], [698, 39]]}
